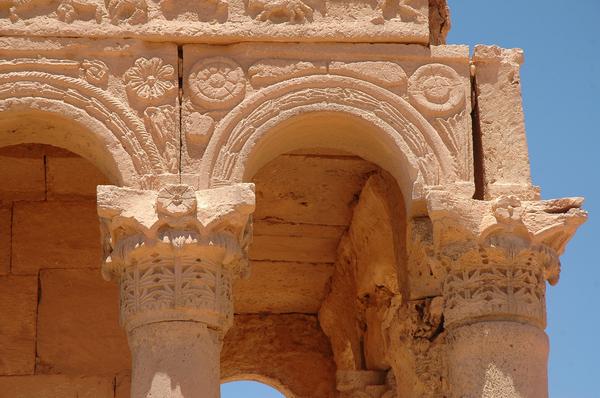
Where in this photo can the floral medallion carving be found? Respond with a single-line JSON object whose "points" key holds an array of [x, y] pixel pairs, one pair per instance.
{"points": [[95, 72], [217, 83], [176, 200], [150, 80], [436, 90]]}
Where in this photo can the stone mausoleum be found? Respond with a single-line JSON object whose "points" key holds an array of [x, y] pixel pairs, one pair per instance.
{"points": [[319, 195]]}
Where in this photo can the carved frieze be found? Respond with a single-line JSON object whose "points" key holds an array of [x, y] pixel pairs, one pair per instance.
{"points": [[385, 74], [279, 11], [270, 71], [127, 11], [174, 252], [218, 21]]}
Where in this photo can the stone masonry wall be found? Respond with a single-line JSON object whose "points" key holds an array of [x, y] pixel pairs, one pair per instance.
{"points": [[58, 318]]}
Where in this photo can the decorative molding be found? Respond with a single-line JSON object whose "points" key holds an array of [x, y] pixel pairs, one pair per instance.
{"points": [[217, 83], [279, 11], [423, 153], [133, 12], [120, 120], [497, 255], [176, 251], [437, 90], [150, 80]]}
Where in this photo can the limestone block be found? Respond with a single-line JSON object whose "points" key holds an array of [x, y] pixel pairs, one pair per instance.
{"points": [[78, 325], [505, 154], [310, 190], [97, 98], [5, 239], [18, 306], [221, 21], [72, 178], [282, 287], [59, 386], [498, 359], [22, 178], [281, 242], [65, 235], [294, 249], [289, 352]]}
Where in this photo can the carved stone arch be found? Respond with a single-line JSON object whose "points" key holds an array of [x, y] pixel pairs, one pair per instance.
{"points": [[394, 135], [120, 134]]}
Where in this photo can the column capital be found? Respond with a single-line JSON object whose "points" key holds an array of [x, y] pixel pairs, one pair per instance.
{"points": [[496, 255], [175, 251]]}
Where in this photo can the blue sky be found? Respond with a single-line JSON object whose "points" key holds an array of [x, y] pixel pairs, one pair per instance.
{"points": [[561, 88], [561, 93]]}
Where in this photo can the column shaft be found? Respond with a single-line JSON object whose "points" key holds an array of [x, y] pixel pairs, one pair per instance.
{"points": [[175, 360]]}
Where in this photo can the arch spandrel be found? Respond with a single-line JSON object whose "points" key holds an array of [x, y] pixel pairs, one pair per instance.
{"points": [[392, 133], [97, 103]]}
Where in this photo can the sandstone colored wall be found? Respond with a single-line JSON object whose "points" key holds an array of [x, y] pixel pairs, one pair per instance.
{"points": [[58, 320]]}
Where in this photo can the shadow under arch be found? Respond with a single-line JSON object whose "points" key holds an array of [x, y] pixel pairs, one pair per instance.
{"points": [[278, 386], [329, 111], [71, 113]]}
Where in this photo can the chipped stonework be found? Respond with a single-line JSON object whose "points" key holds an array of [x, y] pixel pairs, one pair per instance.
{"points": [[400, 248]]}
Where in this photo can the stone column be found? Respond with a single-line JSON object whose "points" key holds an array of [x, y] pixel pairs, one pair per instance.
{"points": [[174, 253], [498, 256]]}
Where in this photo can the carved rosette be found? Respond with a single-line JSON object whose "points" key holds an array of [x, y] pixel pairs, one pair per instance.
{"points": [[499, 254], [217, 83], [175, 252], [150, 80], [437, 90]]}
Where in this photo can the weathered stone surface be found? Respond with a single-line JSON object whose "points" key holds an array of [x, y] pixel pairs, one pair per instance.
{"points": [[71, 178], [505, 154], [112, 102], [5, 239], [439, 21], [22, 178], [65, 235], [42, 386], [78, 325], [291, 248], [123, 386], [310, 190], [222, 21], [498, 359], [288, 350], [18, 309], [282, 287]]}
